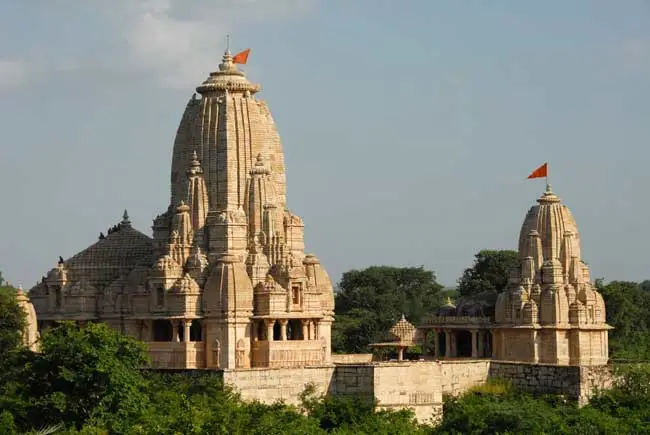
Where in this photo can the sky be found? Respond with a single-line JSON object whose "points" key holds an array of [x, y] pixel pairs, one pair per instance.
{"points": [[409, 127]]}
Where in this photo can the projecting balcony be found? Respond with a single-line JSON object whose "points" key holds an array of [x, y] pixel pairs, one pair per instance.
{"points": [[288, 353], [177, 355]]}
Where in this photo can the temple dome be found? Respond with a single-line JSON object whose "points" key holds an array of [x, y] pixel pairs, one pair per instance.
{"points": [[550, 220], [228, 128]]}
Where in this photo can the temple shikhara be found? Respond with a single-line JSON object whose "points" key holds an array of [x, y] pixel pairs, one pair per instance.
{"points": [[225, 281], [224, 284]]}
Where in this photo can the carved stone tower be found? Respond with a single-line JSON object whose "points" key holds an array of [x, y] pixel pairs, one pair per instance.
{"points": [[225, 282], [550, 311]]}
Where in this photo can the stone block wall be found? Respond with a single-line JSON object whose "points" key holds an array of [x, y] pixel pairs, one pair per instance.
{"points": [[577, 382], [414, 385], [353, 379], [418, 385], [539, 378], [458, 376], [592, 379], [351, 358], [269, 385]]}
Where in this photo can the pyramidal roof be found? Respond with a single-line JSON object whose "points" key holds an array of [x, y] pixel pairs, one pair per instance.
{"points": [[122, 249]]}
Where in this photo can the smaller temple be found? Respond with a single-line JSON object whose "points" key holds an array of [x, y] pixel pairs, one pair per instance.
{"points": [[549, 313], [460, 331], [401, 336]]}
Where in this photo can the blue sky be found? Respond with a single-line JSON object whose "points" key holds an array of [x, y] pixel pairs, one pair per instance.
{"points": [[409, 127]]}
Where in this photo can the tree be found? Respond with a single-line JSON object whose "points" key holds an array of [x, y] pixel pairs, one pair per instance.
{"points": [[12, 322], [82, 374], [489, 273], [370, 301], [628, 311]]}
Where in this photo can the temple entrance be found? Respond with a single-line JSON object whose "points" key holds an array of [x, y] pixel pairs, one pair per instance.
{"points": [[463, 344], [294, 331], [277, 331], [196, 331], [162, 330]]}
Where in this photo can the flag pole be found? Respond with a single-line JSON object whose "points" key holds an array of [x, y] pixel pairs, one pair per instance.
{"points": [[548, 184]]}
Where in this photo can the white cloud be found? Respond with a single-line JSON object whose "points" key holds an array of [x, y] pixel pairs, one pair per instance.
{"points": [[13, 73], [171, 39]]}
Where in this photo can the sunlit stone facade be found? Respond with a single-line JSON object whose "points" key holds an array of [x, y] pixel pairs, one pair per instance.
{"points": [[550, 312], [224, 282]]}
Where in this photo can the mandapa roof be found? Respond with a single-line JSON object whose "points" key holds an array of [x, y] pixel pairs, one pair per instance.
{"points": [[120, 251]]}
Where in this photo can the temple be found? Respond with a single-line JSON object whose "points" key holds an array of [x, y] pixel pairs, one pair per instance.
{"points": [[224, 282], [550, 312]]}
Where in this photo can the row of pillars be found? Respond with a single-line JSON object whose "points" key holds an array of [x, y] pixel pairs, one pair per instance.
{"points": [[478, 348], [174, 330], [276, 330]]}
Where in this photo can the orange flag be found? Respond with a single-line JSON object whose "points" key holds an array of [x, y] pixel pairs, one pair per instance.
{"points": [[241, 57], [540, 172]]}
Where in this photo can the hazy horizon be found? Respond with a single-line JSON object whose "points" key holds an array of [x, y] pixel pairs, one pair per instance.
{"points": [[408, 128]]}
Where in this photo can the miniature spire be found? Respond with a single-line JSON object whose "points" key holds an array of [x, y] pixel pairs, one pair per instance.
{"points": [[125, 219], [195, 165], [260, 166]]}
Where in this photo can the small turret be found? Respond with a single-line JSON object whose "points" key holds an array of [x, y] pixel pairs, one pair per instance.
{"points": [[197, 194]]}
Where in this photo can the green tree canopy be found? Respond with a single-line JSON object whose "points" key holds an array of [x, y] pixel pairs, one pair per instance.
{"points": [[489, 273], [12, 322], [81, 374], [370, 301], [628, 311]]}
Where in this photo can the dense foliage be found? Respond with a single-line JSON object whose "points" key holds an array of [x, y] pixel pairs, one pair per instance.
{"points": [[12, 321], [628, 310], [489, 273], [370, 301]]}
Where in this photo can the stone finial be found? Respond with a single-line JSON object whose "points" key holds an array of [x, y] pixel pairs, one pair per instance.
{"points": [[125, 219], [195, 165], [548, 197]]}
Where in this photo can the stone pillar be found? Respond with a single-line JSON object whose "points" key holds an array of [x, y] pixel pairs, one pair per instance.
{"points": [[305, 329], [283, 329], [474, 343], [447, 343], [436, 344], [481, 344], [316, 330], [175, 324], [187, 324], [454, 347], [269, 329], [400, 354], [152, 333]]}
